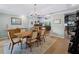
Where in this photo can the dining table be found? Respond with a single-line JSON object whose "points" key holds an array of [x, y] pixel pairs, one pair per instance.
{"points": [[24, 34]]}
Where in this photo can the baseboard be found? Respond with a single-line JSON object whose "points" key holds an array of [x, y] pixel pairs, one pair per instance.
{"points": [[57, 36], [3, 38], [60, 37]]}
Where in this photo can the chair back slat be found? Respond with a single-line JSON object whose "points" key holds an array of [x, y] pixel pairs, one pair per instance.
{"points": [[34, 35], [10, 36], [12, 32], [42, 32]]}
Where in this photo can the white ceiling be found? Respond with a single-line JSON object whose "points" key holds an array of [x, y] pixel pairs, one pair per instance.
{"points": [[27, 9]]}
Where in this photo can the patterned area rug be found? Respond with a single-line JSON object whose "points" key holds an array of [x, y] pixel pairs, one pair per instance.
{"points": [[41, 49]]}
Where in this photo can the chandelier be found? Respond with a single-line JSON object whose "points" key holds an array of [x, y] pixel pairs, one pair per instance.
{"points": [[34, 14]]}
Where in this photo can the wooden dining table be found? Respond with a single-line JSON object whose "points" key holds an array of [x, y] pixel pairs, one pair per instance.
{"points": [[23, 34]]}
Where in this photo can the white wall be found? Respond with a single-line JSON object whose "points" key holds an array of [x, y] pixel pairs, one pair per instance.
{"points": [[57, 28], [5, 21]]}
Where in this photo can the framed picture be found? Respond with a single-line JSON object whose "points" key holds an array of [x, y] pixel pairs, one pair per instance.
{"points": [[57, 21], [16, 21]]}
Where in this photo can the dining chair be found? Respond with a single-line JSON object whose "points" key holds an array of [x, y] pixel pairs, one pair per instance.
{"points": [[32, 40], [40, 36], [13, 39], [43, 34], [36, 28]]}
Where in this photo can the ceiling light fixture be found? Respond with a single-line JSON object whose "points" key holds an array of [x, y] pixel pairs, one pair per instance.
{"points": [[34, 15]]}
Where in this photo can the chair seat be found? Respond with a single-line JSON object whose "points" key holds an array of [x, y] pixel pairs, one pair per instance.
{"points": [[14, 36], [16, 40], [32, 41]]}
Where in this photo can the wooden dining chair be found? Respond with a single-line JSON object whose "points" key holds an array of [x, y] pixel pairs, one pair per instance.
{"points": [[13, 39], [32, 40], [40, 36], [36, 28], [43, 34]]}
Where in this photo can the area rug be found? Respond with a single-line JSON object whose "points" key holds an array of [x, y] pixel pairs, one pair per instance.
{"points": [[35, 50]]}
